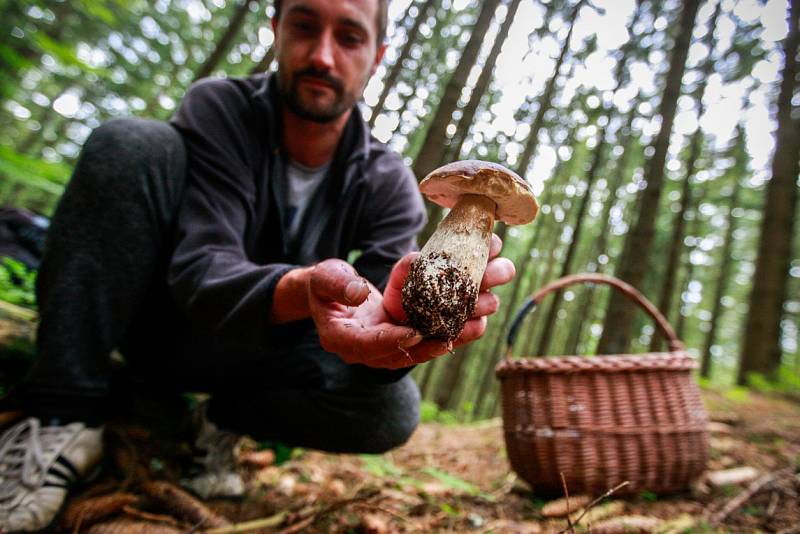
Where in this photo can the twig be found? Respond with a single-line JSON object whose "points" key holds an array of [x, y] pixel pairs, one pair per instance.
{"points": [[773, 503], [370, 506], [755, 487], [264, 522], [148, 516], [570, 526], [595, 502], [361, 495], [181, 503]]}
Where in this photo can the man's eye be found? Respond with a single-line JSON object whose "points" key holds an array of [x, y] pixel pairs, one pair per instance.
{"points": [[351, 39], [301, 26]]}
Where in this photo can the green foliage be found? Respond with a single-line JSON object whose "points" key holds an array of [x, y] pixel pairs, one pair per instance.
{"points": [[737, 394], [380, 465], [17, 283], [786, 382], [430, 413], [648, 496], [452, 481]]}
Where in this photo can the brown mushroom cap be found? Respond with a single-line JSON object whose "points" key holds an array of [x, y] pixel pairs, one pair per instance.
{"points": [[515, 201]]}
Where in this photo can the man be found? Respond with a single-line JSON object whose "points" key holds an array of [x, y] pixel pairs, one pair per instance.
{"points": [[211, 253]]}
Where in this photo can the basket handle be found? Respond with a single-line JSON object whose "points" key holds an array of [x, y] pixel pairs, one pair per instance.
{"points": [[628, 290]]}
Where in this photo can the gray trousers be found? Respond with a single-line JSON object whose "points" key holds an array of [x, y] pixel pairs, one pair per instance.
{"points": [[101, 286]]}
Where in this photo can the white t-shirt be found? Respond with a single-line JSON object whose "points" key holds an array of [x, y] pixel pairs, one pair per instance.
{"points": [[301, 183]]}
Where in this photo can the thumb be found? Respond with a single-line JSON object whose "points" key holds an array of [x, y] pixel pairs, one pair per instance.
{"points": [[337, 281]]}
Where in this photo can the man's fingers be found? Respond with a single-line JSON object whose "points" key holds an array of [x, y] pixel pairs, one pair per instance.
{"points": [[487, 304], [499, 271], [473, 330], [336, 280], [365, 344], [392, 300], [494, 246]]}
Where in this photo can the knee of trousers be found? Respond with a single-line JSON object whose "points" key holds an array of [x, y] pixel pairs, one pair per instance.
{"points": [[392, 418], [130, 145]]}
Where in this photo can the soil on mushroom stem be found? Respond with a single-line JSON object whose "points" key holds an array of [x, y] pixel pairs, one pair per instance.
{"points": [[438, 296]]}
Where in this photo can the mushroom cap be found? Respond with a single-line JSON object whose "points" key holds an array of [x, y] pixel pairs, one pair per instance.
{"points": [[515, 201]]}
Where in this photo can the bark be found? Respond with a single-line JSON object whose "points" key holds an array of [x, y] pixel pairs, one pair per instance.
{"points": [[225, 42], [449, 377], [687, 202], [482, 85], [397, 68], [433, 148], [721, 288], [266, 61], [682, 314], [638, 245], [546, 100], [591, 175], [761, 348], [600, 245], [430, 155]]}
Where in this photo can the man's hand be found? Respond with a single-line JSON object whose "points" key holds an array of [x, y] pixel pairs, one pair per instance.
{"points": [[362, 326]]}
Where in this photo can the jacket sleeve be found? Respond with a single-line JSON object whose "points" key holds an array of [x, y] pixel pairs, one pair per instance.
{"points": [[210, 276], [395, 214]]}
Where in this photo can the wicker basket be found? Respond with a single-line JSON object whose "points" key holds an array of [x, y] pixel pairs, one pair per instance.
{"points": [[602, 420]]}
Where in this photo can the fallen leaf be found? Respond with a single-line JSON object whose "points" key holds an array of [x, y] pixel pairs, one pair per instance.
{"points": [[559, 508], [627, 524], [727, 477]]}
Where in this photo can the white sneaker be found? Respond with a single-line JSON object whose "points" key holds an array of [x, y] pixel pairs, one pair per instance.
{"points": [[219, 474], [38, 465]]}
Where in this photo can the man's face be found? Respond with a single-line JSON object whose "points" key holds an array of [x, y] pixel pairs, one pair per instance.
{"points": [[326, 51]]}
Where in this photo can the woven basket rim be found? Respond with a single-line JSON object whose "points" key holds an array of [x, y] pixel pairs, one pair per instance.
{"points": [[674, 361]]}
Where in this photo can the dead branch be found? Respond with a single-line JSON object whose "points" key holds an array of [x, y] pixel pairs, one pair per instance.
{"points": [[592, 505], [128, 526], [86, 512], [361, 495], [570, 526], [181, 503], [255, 524], [148, 516], [755, 487]]}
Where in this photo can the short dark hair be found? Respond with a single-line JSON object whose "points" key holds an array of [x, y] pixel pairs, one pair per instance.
{"points": [[383, 17]]}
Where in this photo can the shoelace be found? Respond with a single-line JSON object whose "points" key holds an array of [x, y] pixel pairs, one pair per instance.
{"points": [[22, 456]]}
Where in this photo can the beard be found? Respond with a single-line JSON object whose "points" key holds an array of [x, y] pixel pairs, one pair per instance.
{"points": [[307, 107]]}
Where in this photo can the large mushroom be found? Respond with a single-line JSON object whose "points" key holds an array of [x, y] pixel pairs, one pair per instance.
{"points": [[441, 290]]}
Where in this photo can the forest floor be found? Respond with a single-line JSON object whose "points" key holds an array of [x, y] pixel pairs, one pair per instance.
{"points": [[451, 478], [447, 478]]}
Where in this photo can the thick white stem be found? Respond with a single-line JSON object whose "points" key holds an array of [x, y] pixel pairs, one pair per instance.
{"points": [[465, 235]]}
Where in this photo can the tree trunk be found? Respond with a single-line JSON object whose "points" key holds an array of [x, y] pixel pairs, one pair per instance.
{"points": [[678, 317], [591, 174], [449, 377], [226, 41], [482, 85], [433, 148], [634, 262], [546, 100], [761, 349], [430, 154], [726, 262], [679, 220], [397, 68], [600, 245], [266, 61]]}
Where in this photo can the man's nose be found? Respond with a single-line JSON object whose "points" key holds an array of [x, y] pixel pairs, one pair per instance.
{"points": [[322, 55]]}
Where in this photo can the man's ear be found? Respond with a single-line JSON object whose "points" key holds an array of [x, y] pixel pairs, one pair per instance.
{"points": [[378, 57]]}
